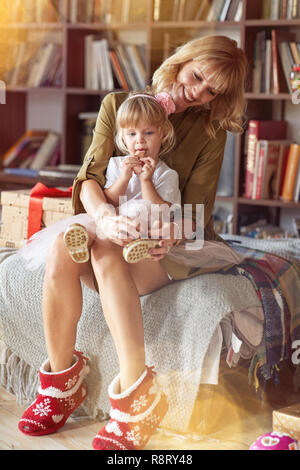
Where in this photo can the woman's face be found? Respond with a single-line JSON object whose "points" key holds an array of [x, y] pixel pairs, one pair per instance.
{"points": [[191, 87]]}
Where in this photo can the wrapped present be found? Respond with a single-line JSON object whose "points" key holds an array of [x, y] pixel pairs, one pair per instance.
{"points": [[17, 216], [287, 420]]}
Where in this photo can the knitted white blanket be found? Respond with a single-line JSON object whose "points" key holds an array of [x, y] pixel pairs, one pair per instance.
{"points": [[179, 321]]}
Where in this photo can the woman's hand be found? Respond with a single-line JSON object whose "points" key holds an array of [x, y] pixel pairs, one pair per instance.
{"points": [[117, 228], [169, 234]]}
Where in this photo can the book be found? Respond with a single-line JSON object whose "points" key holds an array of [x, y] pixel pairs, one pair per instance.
{"points": [[269, 154], [226, 179], [11, 156], [87, 125], [224, 10], [46, 151], [286, 61], [260, 130], [281, 167], [118, 72], [28, 172], [64, 171], [203, 10], [268, 66], [297, 186], [291, 173]]}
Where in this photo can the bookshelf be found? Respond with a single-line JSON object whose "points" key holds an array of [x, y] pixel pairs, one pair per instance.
{"points": [[160, 26]]}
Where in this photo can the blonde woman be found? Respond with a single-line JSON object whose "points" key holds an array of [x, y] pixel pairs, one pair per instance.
{"points": [[205, 79]]}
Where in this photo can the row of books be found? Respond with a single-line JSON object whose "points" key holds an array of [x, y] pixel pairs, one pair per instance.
{"points": [[126, 11], [35, 65], [274, 57], [121, 66], [280, 9], [32, 11], [272, 169], [197, 10], [34, 150], [108, 11]]}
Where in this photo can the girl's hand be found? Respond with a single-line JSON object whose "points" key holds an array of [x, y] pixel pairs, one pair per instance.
{"points": [[147, 168], [129, 165], [169, 235]]}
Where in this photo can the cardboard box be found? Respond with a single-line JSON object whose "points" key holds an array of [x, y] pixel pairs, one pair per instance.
{"points": [[287, 421], [14, 223]]}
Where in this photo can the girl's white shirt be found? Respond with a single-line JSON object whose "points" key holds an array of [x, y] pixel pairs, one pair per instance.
{"points": [[165, 181]]}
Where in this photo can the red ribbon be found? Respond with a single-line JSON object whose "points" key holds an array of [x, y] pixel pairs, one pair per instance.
{"points": [[35, 211]]}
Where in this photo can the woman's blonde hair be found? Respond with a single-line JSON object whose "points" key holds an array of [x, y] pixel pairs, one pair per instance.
{"points": [[223, 64], [142, 106]]}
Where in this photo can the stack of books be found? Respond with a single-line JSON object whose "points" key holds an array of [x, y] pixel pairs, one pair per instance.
{"points": [[198, 10], [108, 67], [107, 11], [35, 65], [34, 11], [280, 9], [274, 57], [272, 169], [33, 151]]}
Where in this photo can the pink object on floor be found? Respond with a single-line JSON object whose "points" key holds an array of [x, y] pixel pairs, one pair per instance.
{"points": [[275, 441]]}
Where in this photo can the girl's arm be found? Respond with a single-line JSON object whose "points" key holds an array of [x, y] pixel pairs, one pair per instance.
{"points": [[149, 192]]}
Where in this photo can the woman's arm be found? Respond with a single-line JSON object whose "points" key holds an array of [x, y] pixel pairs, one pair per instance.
{"points": [[117, 189]]}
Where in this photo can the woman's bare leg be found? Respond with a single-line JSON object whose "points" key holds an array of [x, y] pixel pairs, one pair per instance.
{"points": [[62, 304], [122, 308]]}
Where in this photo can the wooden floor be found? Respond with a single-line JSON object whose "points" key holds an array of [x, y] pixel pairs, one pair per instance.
{"points": [[227, 417]]}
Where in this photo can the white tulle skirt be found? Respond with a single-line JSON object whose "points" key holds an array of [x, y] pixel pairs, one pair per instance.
{"points": [[205, 254]]}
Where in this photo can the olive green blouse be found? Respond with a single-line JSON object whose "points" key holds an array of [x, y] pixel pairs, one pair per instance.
{"points": [[196, 157]]}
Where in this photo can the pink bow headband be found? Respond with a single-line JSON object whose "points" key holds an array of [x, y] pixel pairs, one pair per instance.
{"points": [[164, 99]]}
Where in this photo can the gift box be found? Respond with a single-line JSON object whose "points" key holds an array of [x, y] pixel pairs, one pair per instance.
{"points": [[15, 212], [287, 421]]}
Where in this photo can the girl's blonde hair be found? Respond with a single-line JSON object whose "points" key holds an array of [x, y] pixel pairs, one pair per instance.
{"points": [[138, 107], [223, 64]]}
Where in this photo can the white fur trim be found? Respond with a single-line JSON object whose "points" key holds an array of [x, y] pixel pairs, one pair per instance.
{"points": [[57, 393], [128, 418], [45, 367], [116, 383], [102, 438]]}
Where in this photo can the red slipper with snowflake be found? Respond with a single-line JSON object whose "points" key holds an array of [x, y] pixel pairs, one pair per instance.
{"points": [[60, 393], [135, 414]]}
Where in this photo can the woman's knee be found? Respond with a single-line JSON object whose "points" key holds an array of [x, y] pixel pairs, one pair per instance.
{"points": [[105, 256], [58, 261]]}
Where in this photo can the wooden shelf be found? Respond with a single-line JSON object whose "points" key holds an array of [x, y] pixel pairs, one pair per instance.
{"points": [[268, 96], [194, 24], [269, 203], [13, 181], [265, 23]]}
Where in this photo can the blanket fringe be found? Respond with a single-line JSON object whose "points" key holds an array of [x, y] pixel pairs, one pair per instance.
{"points": [[17, 377]]}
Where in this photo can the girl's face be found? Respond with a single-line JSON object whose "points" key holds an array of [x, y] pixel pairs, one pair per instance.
{"points": [[143, 138], [191, 87]]}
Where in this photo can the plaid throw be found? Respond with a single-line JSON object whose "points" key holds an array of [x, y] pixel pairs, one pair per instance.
{"points": [[277, 283]]}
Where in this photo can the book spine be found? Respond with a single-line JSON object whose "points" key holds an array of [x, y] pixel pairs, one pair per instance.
{"points": [[291, 173], [297, 185], [261, 164], [251, 153], [275, 64]]}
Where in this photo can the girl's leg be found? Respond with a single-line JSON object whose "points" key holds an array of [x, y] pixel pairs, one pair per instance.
{"points": [[62, 303]]}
